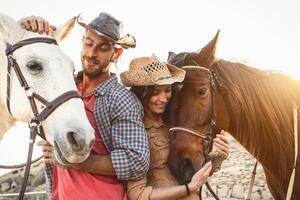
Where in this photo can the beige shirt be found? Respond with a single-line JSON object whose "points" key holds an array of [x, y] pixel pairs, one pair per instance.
{"points": [[159, 174]]}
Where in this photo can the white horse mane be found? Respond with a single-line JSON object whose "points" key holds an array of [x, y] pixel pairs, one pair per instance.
{"points": [[6, 120]]}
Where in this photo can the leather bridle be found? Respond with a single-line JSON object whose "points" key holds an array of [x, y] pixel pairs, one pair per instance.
{"points": [[207, 134], [35, 124]]}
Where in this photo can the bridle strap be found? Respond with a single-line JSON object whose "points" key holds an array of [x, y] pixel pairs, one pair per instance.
{"points": [[50, 107], [211, 126], [20, 165], [292, 178], [193, 132], [13, 63], [33, 133], [211, 191], [35, 124], [252, 181], [11, 48]]}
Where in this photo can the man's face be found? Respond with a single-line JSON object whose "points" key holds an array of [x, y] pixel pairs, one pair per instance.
{"points": [[96, 54]]}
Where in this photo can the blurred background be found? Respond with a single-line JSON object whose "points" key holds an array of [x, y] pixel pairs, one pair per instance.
{"points": [[263, 34]]}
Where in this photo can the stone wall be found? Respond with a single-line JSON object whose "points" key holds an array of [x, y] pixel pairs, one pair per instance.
{"points": [[232, 181]]}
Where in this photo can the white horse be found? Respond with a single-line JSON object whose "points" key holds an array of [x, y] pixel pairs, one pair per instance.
{"points": [[49, 72]]}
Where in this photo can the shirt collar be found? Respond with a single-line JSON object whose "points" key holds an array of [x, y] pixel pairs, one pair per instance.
{"points": [[103, 87], [106, 85], [150, 123]]}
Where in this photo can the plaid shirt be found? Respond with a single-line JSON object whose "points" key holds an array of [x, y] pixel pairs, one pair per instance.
{"points": [[118, 115]]}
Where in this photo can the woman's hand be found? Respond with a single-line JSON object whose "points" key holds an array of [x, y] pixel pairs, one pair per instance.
{"points": [[200, 177], [36, 24], [221, 146]]}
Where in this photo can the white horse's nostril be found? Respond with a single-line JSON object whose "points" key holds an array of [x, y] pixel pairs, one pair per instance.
{"points": [[76, 142]]}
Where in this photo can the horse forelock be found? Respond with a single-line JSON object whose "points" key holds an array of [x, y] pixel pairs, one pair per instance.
{"points": [[260, 106]]}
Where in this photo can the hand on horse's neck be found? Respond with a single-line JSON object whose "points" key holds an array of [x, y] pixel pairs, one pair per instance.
{"points": [[90, 84]]}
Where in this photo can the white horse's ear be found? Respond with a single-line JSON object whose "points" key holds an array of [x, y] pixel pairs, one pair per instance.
{"points": [[9, 28], [63, 30]]}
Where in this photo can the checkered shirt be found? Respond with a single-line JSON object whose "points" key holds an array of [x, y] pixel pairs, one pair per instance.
{"points": [[118, 114]]}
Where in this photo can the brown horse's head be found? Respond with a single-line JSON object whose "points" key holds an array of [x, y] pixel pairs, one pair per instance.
{"points": [[194, 100]]}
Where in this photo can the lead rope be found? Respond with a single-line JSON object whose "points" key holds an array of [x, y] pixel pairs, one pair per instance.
{"points": [[33, 132], [252, 181], [292, 179]]}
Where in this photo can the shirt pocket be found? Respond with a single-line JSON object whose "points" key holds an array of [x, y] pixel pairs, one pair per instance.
{"points": [[159, 151]]}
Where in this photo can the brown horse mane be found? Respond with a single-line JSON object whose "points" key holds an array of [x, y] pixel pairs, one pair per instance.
{"points": [[260, 105]]}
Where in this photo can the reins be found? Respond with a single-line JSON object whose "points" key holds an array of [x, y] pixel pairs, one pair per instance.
{"points": [[207, 136], [292, 179], [35, 124]]}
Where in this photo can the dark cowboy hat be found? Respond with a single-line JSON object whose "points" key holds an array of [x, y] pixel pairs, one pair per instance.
{"points": [[108, 26]]}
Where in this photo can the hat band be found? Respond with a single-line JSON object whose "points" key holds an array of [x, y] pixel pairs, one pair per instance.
{"points": [[162, 78]]}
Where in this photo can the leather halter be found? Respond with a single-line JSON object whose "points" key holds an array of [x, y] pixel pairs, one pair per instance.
{"points": [[206, 135], [35, 123]]}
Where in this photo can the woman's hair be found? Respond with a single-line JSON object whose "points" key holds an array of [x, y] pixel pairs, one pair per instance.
{"points": [[144, 93]]}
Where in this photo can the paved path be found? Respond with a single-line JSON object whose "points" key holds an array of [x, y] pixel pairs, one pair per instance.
{"points": [[232, 181]]}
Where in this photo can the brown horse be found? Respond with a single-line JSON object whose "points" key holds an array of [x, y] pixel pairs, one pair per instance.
{"points": [[255, 106]]}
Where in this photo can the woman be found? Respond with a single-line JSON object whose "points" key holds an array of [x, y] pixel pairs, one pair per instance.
{"points": [[151, 80]]}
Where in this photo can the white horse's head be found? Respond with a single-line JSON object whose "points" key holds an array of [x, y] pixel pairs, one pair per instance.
{"points": [[49, 72]]}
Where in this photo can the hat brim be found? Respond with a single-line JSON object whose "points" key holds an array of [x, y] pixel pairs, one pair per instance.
{"points": [[86, 26], [141, 78]]}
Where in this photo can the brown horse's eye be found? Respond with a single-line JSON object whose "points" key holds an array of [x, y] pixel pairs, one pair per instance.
{"points": [[201, 92]]}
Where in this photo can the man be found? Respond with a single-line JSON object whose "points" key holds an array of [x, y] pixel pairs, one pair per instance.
{"points": [[121, 148]]}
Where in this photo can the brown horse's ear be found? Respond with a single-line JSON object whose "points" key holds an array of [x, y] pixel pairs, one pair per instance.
{"points": [[206, 56]]}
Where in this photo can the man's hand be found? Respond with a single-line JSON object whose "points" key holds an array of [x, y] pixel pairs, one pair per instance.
{"points": [[36, 24], [48, 152]]}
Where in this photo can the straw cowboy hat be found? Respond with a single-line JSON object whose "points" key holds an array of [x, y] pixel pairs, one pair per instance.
{"points": [[106, 25], [147, 71]]}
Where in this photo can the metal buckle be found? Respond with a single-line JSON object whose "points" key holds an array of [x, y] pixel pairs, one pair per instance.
{"points": [[35, 124]]}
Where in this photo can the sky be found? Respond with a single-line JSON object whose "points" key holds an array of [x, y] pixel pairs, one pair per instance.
{"points": [[262, 33]]}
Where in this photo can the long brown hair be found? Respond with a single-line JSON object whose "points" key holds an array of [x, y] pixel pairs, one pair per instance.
{"points": [[144, 93]]}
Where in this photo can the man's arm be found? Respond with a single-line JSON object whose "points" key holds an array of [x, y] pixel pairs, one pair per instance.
{"points": [[130, 155], [98, 164]]}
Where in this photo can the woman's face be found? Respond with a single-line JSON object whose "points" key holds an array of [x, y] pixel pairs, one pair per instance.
{"points": [[160, 98]]}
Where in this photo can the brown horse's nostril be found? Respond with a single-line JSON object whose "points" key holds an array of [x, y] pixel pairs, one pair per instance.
{"points": [[76, 142], [186, 170]]}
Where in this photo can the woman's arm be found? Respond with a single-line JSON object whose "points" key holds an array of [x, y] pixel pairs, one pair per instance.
{"points": [[138, 190]]}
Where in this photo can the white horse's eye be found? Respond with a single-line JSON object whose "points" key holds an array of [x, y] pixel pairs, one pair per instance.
{"points": [[34, 66]]}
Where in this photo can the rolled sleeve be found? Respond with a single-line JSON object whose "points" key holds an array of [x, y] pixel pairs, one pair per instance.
{"points": [[130, 155], [138, 189]]}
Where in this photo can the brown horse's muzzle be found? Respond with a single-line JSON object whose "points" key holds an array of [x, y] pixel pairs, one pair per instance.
{"points": [[183, 161]]}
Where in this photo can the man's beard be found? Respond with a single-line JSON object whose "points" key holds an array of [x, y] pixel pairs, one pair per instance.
{"points": [[95, 73]]}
